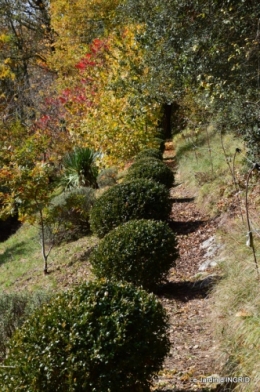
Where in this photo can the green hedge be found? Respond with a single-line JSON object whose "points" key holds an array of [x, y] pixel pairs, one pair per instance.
{"points": [[99, 337], [139, 251], [140, 199], [152, 169], [149, 152]]}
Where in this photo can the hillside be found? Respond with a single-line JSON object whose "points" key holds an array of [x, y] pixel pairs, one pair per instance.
{"points": [[185, 296], [192, 296]]}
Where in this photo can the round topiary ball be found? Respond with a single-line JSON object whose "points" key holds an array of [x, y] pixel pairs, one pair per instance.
{"points": [[139, 251], [140, 199], [99, 337], [152, 169], [149, 153]]}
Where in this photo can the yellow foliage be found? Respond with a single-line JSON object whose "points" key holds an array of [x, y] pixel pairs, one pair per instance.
{"points": [[75, 22], [104, 110], [5, 71]]}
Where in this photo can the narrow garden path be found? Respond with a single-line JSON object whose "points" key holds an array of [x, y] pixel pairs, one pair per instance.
{"points": [[186, 298]]}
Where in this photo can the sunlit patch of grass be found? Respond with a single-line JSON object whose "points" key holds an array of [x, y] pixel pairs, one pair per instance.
{"points": [[18, 254], [204, 165], [21, 263], [237, 309]]}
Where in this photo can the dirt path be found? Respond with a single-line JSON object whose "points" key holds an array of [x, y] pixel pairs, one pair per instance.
{"points": [[186, 299]]}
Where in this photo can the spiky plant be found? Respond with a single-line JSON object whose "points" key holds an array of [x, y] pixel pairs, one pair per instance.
{"points": [[80, 168]]}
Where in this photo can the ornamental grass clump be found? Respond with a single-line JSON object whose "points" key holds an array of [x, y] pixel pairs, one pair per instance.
{"points": [[99, 337], [139, 251], [139, 199], [151, 168], [79, 168]]}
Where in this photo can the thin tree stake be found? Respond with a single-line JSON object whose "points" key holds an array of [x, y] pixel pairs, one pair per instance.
{"points": [[236, 184], [209, 150], [250, 234]]}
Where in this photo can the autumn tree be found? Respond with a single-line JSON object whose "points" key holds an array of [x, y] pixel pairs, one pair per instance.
{"points": [[30, 38], [210, 48], [27, 191], [76, 24], [29, 169], [104, 109]]}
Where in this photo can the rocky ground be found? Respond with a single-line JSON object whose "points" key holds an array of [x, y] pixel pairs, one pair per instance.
{"points": [[187, 298]]}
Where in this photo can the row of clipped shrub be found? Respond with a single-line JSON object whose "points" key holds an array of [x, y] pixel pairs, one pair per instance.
{"points": [[143, 195], [137, 245], [151, 168], [109, 335]]}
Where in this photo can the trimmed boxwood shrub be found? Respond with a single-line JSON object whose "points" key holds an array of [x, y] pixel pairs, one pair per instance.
{"points": [[139, 251], [140, 199], [99, 337], [149, 152], [151, 168]]}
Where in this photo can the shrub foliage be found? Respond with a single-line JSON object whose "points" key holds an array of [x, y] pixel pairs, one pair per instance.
{"points": [[67, 218], [149, 152], [107, 177], [140, 199], [14, 309], [139, 251], [151, 168], [98, 337]]}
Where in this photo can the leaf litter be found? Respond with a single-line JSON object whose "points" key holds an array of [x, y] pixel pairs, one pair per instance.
{"points": [[186, 299]]}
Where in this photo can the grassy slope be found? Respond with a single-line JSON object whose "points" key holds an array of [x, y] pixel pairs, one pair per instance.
{"points": [[236, 299], [21, 265]]}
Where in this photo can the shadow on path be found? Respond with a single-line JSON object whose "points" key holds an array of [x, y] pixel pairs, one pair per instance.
{"points": [[185, 227], [192, 390], [189, 290]]}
